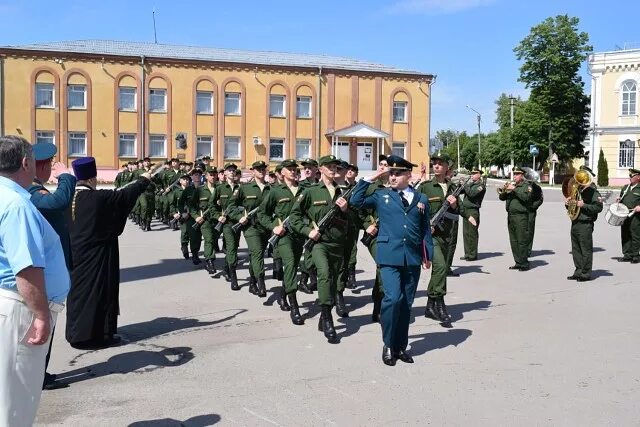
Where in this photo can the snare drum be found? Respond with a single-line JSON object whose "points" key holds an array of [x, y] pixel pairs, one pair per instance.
{"points": [[616, 214]]}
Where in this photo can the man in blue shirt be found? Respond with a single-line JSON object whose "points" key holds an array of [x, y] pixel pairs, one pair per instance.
{"points": [[34, 283]]}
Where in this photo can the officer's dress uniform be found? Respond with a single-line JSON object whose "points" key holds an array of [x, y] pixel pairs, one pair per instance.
{"points": [[473, 196], [582, 233], [630, 230], [518, 216], [219, 205]]}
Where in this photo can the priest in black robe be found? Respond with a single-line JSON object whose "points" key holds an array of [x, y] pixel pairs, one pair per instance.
{"points": [[98, 217]]}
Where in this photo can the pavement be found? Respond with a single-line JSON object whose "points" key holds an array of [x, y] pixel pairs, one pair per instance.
{"points": [[526, 348]]}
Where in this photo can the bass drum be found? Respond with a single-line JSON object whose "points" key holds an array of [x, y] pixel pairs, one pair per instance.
{"points": [[616, 214]]}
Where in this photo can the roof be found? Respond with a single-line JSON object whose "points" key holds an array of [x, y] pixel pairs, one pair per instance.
{"points": [[207, 54], [359, 130]]}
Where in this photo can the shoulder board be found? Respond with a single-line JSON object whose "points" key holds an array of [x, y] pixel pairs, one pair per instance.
{"points": [[435, 199], [250, 197], [285, 199], [320, 202]]}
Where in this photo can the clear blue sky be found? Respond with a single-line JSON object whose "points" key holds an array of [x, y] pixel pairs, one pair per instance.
{"points": [[467, 43]]}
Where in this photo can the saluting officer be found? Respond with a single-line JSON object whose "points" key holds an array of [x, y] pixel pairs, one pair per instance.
{"points": [[630, 230], [327, 253], [474, 192], [518, 196]]}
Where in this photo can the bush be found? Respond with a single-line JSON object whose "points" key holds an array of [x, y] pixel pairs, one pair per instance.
{"points": [[603, 171]]}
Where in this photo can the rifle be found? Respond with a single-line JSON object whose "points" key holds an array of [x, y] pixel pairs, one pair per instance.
{"points": [[238, 226], [273, 240], [325, 222], [156, 172], [442, 214], [197, 226], [219, 225], [368, 238]]}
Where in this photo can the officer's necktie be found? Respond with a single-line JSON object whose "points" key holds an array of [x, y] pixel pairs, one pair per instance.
{"points": [[405, 202]]}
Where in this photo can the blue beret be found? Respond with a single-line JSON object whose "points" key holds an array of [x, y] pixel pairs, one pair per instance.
{"points": [[84, 168], [44, 151]]}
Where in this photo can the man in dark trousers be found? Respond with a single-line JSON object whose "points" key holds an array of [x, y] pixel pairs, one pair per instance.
{"points": [[630, 230], [404, 243], [474, 192], [518, 196]]}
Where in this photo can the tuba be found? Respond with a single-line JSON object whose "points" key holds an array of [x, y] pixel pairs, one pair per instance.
{"points": [[571, 189]]}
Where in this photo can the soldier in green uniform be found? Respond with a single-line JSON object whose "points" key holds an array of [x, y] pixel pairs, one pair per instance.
{"points": [[273, 214], [518, 196], [185, 182], [351, 178], [169, 178], [351, 240], [308, 278], [537, 198], [219, 207], [453, 243], [590, 204], [630, 230], [121, 176], [474, 192], [193, 208], [146, 201], [245, 199], [327, 253], [278, 270], [437, 191], [206, 220]]}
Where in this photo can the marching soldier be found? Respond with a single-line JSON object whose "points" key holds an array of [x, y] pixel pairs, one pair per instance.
{"points": [[518, 197], [351, 178], [474, 192], [178, 215], [308, 279], [273, 213], [205, 220], [351, 239], [169, 178], [192, 202], [630, 230], [590, 205], [453, 243], [146, 201], [123, 175], [437, 191], [245, 199], [313, 204], [537, 198]]}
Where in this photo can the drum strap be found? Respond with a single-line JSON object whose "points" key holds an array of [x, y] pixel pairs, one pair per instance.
{"points": [[629, 188]]}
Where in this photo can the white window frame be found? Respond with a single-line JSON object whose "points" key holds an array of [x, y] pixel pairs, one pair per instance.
{"points": [[49, 87], [211, 103], [274, 142], [299, 101], [77, 136], [134, 141], [232, 140], [307, 142], [273, 98], [156, 93], [135, 98], [397, 145], [629, 103], [626, 154], [405, 106], [232, 96], [77, 89], [201, 140], [45, 136], [154, 139]]}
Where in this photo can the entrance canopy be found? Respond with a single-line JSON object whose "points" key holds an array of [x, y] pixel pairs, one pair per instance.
{"points": [[359, 144], [359, 130]]}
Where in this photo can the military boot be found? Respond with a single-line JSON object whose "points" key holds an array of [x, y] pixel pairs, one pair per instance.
{"points": [[313, 280], [282, 299], [195, 258], [277, 269], [341, 307], [375, 315], [351, 281], [234, 278], [302, 283], [225, 272], [430, 310], [253, 284], [441, 309], [296, 318], [185, 251], [326, 325], [262, 289], [148, 226], [210, 266]]}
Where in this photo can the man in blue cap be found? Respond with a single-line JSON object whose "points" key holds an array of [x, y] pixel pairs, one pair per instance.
{"points": [[53, 207]]}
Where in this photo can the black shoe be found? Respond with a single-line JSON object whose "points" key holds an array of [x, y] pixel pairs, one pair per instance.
{"points": [[464, 258], [341, 307], [210, 266], [302, 284], [585, 279], [625, 259], [524, 268], [452, 273], [430, 310], [572, 277], [351, 281], [313, 281], [196, 260], [472, 259], [635, 261], [387, 356], [375, 316], [277, 269], [296, 318], [54, 385], [262, 290], [403, 356], [234, 279], [441, 309], [327, 325], [282, 299], [514, 267], [253, 285], [225, 272], [185, 252]]}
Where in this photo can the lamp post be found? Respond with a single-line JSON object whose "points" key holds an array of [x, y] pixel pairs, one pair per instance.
{"points": [[479, 119], [512, 104]]}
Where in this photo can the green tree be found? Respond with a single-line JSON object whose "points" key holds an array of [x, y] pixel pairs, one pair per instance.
{"points": [[603, 171], [557, 109]]}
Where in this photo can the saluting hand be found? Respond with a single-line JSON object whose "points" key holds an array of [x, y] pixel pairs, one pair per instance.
{"points": [[342, 204]]}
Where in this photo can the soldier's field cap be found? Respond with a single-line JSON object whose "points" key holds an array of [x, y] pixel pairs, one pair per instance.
{"points": [[279, 168], [328, 160], [398, 163], [175, 160], [238, 172], [588, 169], [441, 156], [477, 170], [206, 158], [518, 169], [343, 165], [633, 172], [258, 165], [211, 169], [196, 171], [185, 176], [310, 162], [44, 151], [382, 158], [352, 167], [146, 159], [230, 166], [289, 163]]}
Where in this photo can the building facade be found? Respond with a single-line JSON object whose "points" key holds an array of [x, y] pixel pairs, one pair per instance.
{"points": [[615, 113], [119, 101]]}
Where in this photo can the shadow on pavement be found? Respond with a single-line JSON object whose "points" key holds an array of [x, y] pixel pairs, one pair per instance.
{"points": [[166, 267], [470, 269], [601, 273], [541, 252], [126, 363], [455, 310], [485, 255], [537, 263], [597, 249], [199, 421], [430, 341]]}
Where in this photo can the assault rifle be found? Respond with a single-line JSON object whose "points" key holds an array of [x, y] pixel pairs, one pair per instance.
{"points": [[273, 240], [442, 214], [325, 222], [239, 226], [197, 226]]}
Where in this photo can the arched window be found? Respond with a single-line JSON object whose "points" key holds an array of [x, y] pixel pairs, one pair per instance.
{"points": [[629, 98]]}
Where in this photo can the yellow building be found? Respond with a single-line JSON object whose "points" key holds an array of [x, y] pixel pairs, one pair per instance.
{"points": [[241, 106], [615, 113]]}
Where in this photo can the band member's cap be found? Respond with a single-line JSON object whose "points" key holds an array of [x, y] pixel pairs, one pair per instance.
{"points": [[518, 169], [44, 151], [328, 160], [633, 172], [310, 162], [84, 168], [196, 171], [258, 165], [288, 164], [398, 163], [230, 166], [588, 169]]}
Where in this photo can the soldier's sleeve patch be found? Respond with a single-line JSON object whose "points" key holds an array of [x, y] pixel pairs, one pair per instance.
{"points": [[480, 188]]}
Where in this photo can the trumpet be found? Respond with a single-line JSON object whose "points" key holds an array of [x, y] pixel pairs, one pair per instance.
{"points": [[504, 188]]}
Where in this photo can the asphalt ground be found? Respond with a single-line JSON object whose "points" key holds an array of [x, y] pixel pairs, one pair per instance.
{"points": [[526, 348]]}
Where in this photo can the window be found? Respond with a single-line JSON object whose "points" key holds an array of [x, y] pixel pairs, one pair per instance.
{"points": [[626, 154], [158, 100], [76, 96], [44, 95], [303, 149], [77, 144], [157, 146], [303, 107], [45, 136], [629, 94], [127, 145], [232, 104], [276, 106], [204, 146], [232, 147], [397, 149], [276, 149], [204, 102], [400, 111], [127, 99]]}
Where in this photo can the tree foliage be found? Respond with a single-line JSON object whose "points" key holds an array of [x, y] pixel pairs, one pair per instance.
{"points": [[603, 171]]}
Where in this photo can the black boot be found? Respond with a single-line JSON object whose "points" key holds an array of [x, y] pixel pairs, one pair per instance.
{"points": [[148, 226], [430, 310], [196, 259], [313, 280], [351, 281], [296, 318], [185, 251], [253, 284], [375, 316], [302, 283], [234, 279], [277, 269], [441, 309], [341, 307], [225, 272], [210, 266], [262, 289], [282, 299], [327, 325]]}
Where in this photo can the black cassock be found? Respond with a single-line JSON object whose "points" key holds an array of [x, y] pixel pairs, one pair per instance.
{"points": [[98, 218]]}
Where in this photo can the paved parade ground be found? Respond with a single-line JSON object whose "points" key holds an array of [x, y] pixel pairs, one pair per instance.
{"points": [[526, 348]]}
